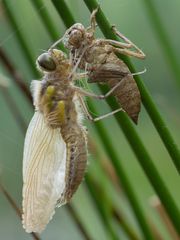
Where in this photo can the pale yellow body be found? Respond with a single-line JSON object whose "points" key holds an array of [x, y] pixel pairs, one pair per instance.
{"points": [[55, 152]]}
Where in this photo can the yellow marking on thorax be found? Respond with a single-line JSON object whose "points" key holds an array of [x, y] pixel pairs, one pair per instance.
{"points": [[61, 111], [50, 91]]}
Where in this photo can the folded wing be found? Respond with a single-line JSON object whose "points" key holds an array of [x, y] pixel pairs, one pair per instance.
{"points": [[44, 167]]}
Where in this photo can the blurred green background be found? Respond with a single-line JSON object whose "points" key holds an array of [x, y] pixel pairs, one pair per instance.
{"points": [[132, 19]]}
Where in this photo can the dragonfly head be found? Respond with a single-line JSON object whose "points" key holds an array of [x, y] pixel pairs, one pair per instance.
{"points": [[51, 60]]}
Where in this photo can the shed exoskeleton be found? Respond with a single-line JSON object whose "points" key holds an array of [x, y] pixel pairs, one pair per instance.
{"points": [[98, 58]]}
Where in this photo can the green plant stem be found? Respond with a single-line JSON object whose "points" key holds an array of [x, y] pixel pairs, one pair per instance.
{"points": [[109, 170], [163, 38], [128, 129], [43, 14], [105, 207], [45, 17], [23, 46], [102, 211], [146, 97], [64, 12], [79, 224], [125, 225], [123, 179], [13, 108]]}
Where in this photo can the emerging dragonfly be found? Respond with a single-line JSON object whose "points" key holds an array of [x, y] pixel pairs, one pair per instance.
{"points": [[55, 149], [98, 57]]}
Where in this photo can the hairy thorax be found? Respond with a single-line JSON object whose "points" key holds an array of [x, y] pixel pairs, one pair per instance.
{"points": [[56, 101]]}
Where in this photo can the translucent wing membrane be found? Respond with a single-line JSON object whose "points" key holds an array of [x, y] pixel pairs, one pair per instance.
{"points": [[44, 167]]}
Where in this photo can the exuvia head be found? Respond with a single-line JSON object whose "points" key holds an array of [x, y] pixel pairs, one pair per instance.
{"points": [[50, 60], [75, 36]]}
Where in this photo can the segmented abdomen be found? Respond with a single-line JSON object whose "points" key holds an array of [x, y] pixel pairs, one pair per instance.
{"points": [[127, 93], [128, 96], [76, 161]]}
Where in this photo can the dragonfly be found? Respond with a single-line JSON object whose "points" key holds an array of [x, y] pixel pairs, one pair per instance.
{"points": [[55, 148], [98, 57]]}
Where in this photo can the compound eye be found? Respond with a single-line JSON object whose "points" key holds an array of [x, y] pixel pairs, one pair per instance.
{"points": [[46, 62]]}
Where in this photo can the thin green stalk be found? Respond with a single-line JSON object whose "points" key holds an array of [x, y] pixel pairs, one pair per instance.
{"points": [[79, 224], [106, 207], [102, 211], [23, 46], [45, 16], [64, 12], [163, 38], [146, 97], [110, 172], [123, 178], [14, 109], [129, 131], [125, 225]]}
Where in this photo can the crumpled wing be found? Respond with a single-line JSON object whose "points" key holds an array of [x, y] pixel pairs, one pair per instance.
{"points": [[44, 167]]}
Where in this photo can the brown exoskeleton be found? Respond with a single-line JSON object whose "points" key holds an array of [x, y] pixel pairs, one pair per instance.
{"points": [[98, 58], [55, 149]]}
